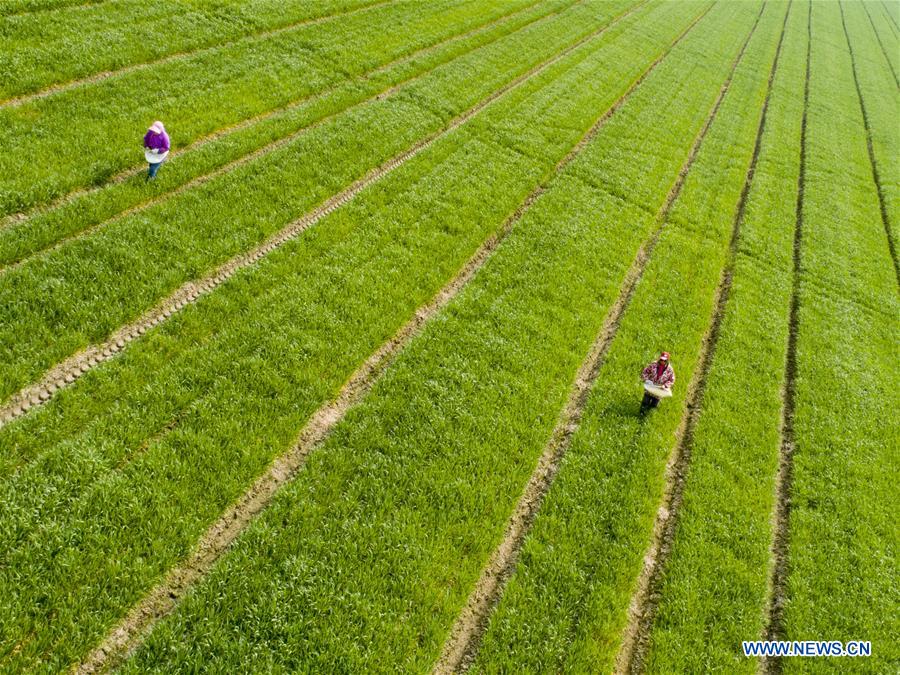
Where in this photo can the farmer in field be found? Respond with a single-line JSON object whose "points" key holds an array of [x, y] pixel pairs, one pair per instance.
{"points": [[156, 148], [658, 378]]}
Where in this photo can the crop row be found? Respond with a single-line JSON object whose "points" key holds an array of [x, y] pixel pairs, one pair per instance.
{"points": [[85, 211], [57, 303], [878, 100], [715, 587], [406, 500], [48, 48], [886, 39], [566, 607], [134, 474], [842, 530], [199, 95]]}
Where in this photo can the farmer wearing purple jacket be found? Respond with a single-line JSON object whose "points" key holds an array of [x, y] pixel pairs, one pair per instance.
{"points": [[156, 148]]}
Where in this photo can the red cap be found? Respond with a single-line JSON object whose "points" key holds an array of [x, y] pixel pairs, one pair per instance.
{"points": [[664, 356]]}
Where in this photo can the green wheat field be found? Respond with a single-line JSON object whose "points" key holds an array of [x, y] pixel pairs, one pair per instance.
{"points": [[353, 384]]}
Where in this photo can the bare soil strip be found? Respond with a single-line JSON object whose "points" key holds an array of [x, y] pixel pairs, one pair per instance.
{"points": [[80, 363], [645, 602], [778, 594], [875, 175], [256, 154], [163, 599], [251, 121], [881, 44], [122, 640], [465, 637], [126, 637], [106, 74]]}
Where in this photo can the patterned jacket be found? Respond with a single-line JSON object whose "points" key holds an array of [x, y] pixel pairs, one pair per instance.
{"points": [[664, 380]]}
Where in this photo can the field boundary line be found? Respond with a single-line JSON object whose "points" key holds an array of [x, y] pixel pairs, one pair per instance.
{"points": [[267, 148], [881, 44], [39, 209], [22, 99], [892, 247], [162, 600], [779, 550], [73, 367], [465, 636], [645, 601]]}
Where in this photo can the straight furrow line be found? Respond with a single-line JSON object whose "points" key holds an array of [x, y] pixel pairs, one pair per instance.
{"points": [[287, 108], [265, 149], [80, 363], [881, 44], [645, 602], [125, 637], [875, 175], [163, 599], [775, 629], [465, 636], [107, 74]]}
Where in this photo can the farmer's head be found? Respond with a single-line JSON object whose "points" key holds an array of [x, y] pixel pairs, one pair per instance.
{"points": [[664, 358]]}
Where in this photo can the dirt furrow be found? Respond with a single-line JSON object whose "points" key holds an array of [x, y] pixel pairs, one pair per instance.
{"points": [[775, 628], [465, 636], [875, 174], [256, 154], [646, 599], [881, 44], [80, 363], [163, 599], [251, 121], [107, 74]]}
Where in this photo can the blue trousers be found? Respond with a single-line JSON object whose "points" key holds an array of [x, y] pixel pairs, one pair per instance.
{"points": [[151, 172]]}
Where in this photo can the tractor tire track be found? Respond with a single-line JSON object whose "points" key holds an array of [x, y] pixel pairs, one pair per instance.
{"points": [[875, 174], [881, 44], [162, 600], [642, 612], [269, 147], [778, 591], [17, 101], [289, 107], [82, 362], [466, 634]]}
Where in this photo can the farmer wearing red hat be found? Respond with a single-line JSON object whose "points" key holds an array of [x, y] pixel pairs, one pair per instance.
{"points": [[658, 378]]}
